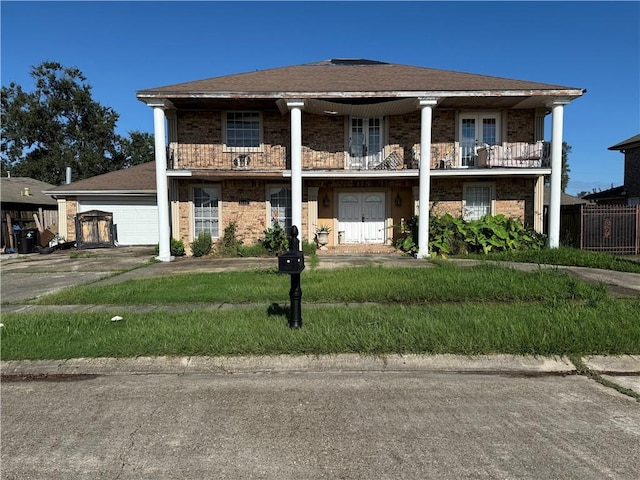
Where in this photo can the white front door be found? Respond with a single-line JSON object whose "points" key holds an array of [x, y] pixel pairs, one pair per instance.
{"points": [[361, 217]]}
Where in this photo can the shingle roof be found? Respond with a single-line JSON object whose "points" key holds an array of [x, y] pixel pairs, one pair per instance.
{"points": [[629, 142], [355, 76], [565, 198], [12, 190], [140, 178], [612, 193]]}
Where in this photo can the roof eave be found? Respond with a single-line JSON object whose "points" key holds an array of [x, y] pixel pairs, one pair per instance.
{"points": [[146, 96], [66, 193]]}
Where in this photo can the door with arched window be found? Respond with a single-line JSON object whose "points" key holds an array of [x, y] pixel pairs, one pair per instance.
{"points": [[361, 217]]}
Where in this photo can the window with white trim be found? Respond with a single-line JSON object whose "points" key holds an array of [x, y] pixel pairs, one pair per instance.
{"points": [[243, 130], [477, 200], [206, 211], [476, 130], [280, 206]]}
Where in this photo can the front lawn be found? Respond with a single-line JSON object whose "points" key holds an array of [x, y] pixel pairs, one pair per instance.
{"points": [[373, 310]]}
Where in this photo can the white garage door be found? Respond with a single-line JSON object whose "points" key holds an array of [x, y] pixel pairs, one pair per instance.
{"points": [[136, 217]]}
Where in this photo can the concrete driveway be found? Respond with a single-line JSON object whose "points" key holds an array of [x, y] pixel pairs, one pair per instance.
{"points": [[24, 277]]}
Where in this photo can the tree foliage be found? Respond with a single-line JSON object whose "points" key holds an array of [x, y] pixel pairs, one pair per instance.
{"points": [[564, 181], [564, 177], [60, 125]]}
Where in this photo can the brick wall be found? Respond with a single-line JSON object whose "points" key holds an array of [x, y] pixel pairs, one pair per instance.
{"points": [[520, 126], [72, 211], [200, 138], [513, 197], [243, 202], [323, 141], [632, 172], [200, 142]]}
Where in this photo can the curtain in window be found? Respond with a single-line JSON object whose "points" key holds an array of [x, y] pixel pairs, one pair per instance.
{"points": [[280, 201], [477, 202], [205, 211]]}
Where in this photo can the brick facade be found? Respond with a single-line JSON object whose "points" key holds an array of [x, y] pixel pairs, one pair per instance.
{"points": [[632, 172], [244, 198]]}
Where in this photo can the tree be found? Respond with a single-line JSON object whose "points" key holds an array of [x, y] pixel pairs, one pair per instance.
{"points": [[566, 149], [138, 148], [564, 178], [60, 125]]}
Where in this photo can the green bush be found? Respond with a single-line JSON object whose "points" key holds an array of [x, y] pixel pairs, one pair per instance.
{"points": [[408, 238], [229, 245], [176, 248], [202, 245], [309, 248], [449, 235], [275, 239]]}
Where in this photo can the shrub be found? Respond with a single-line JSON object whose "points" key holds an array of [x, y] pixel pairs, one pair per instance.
{"points": [[229, 245], [407, 241], [309, 248], [176, 248], [275, 239], [202, 245], [449, 235]]}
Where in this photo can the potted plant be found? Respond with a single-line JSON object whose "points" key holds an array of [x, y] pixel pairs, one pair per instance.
{"points": [[322, 234]]}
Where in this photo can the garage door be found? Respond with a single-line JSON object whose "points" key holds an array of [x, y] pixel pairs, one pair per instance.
{"points": [[136, 217]]}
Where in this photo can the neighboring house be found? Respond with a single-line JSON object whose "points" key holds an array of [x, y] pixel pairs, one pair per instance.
{"points": [[22, 198], [629, 192], [566, 200], [357, 145], [129, 194]]}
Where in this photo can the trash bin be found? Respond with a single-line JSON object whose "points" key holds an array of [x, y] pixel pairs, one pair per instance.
{"points": [[26, 239]]}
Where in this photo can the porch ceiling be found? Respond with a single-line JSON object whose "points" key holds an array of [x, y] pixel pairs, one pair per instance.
{"points": [[363, 107]]}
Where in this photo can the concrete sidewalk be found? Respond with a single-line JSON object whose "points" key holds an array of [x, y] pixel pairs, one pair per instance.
{"points": [[623, 371]]}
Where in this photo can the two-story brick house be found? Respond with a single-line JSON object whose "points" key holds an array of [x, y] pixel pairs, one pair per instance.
{"points": [[357, 145], [629, 192]]}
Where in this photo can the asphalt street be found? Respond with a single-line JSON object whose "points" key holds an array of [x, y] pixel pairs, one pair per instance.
{"points": [[313, 425]]}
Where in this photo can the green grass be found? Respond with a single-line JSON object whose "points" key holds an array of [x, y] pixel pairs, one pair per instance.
{"points": [[556, 328], [444, 283], [427, 310], [566, 256]]}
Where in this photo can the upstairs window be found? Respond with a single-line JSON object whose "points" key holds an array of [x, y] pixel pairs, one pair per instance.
{"points": [[243, 130]]}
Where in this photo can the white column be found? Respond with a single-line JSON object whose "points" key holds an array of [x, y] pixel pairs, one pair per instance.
{"points": [[296, 164], [426, 105], [162, 190], [557, 109]]}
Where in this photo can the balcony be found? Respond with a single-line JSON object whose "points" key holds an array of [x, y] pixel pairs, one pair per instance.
{"points": [[216, 157], [449, 155]]}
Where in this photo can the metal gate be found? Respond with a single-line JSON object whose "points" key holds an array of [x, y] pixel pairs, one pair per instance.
{"points": [[610, 228]]}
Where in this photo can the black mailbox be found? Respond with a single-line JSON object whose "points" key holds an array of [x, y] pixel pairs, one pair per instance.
{"points": [[291, 263]]}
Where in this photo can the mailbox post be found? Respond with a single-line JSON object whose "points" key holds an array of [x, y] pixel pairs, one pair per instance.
{"points": [[292, 263]]}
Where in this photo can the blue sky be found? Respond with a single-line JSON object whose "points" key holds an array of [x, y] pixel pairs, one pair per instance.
{"points": [[123, 47]]}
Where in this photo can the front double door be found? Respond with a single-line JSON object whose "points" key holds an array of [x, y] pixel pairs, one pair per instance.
{"points": [[476, 130], [361, 217], [365, 141]]}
